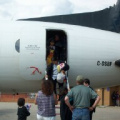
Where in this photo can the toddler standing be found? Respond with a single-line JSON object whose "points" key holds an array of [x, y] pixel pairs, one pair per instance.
{"points": [[22, 110]]}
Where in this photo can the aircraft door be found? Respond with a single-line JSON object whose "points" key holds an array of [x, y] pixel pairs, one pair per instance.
{"points": [[32, 54], [56, 42]]}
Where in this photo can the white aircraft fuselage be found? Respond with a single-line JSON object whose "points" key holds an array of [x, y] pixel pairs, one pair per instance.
{"points": [[90, 52]]}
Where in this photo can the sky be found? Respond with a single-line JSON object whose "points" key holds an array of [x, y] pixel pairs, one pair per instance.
{"points": [[19, 9]]}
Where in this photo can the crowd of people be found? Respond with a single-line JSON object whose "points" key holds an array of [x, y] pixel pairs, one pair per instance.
{"points": [[77, 103]]}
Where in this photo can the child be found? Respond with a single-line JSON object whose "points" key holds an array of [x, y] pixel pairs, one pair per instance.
{"points": [[65, 112], [61, 76], [63, 66], [22, 110], [50, 52]]}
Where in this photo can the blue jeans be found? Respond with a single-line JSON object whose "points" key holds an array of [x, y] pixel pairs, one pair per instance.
{"points": [[81, 114]]}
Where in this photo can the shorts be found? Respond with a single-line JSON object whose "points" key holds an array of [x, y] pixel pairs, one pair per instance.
{"points": [[39, 117]]}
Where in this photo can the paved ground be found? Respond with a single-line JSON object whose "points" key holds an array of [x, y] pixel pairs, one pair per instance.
{"points": [[8, 111]]}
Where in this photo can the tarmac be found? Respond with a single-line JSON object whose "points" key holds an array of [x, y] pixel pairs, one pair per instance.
{"points": [[8, 111]]}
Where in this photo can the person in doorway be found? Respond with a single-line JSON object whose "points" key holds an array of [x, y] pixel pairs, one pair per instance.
{"points": [[52, 73], [87, 84], [22, 110], [46, 101], [58, 46], [81, 96], [61, 77], [50, 52]]}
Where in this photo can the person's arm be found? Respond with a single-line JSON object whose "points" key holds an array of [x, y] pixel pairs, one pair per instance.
{"points": [[56, 102], [49, 71], [26, 112], [68, 103], [95, 103], [35, 101]]}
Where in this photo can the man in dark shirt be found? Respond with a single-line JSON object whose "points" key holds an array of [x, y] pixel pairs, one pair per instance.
{"points": [[87, 84], [65, 112], [52, 72]]}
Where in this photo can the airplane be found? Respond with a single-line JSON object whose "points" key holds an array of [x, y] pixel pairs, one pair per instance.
{"points": [[90, 52]]}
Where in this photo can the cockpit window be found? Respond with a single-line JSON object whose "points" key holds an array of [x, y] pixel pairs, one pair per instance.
{"points": [[17, 45]]}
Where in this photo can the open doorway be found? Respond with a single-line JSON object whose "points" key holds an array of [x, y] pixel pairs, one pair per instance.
{"points": [[57, 39]]}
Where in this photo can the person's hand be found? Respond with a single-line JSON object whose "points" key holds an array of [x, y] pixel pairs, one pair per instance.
{"points": [[35, 99], [71, 108], [91, 108], [46, 77], [36, 95], [64, 80]]}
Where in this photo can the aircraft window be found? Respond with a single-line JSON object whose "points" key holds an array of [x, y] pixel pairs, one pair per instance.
{"points": [[17, 45]]}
